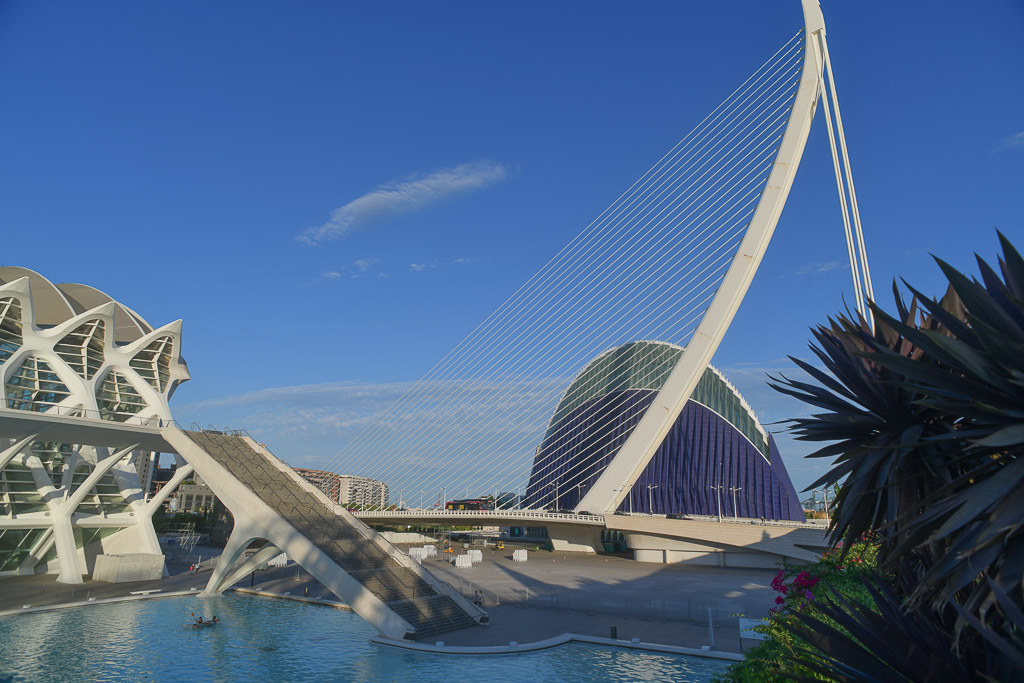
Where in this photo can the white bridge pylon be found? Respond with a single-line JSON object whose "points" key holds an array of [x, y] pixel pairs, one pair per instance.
{"points": [[622, 472], [669, 261]]}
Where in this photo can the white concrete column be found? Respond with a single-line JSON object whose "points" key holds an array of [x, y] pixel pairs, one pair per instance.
{"points": [[71, 570]]}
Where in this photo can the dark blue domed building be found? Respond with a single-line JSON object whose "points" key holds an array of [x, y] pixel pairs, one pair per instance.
{"points": [[716, 458]]}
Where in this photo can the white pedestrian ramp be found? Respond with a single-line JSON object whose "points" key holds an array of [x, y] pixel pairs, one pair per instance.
{"points": [[271, 503]]}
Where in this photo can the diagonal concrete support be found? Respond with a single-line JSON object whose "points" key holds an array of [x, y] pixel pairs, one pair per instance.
{"points": [[254, 519], [182, 473], [9, 453], [233, 565]]}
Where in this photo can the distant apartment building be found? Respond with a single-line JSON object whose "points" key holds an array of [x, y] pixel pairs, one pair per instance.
{"points": [[348, 489], [363, 492], [328, 482]]}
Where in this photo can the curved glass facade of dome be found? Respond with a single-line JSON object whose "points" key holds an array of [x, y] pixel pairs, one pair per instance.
{"points": [[715, 442]]}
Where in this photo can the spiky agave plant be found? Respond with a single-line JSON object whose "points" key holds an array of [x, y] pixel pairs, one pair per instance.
{"points": [[925, 418]]}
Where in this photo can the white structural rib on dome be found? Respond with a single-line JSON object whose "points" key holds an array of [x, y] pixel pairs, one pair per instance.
{"points": [[40, 341], [593, 363], [96, 372], [743, 402], [51, 307], [129, 325], [56, 303], [631, 460]]}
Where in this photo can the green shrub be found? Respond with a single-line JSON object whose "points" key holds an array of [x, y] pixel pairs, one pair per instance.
{"points": [[799, 591]]}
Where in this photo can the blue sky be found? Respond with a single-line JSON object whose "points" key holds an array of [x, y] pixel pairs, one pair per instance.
{"points": [[182, 157]]}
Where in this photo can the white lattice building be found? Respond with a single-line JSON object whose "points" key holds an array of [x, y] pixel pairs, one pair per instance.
{"points": [[71, 350]]}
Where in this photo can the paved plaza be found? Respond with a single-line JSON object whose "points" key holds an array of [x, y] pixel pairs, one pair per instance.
{"points": [[549, 594]]}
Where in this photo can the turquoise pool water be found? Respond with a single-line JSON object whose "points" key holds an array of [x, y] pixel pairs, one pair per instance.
{"points": [[263, 639]]}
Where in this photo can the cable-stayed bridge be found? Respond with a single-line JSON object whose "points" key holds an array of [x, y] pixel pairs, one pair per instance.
{"points": [[665, 266]]}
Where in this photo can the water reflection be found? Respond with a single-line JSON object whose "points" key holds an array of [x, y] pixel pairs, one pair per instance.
{"points": [[280, 640]]}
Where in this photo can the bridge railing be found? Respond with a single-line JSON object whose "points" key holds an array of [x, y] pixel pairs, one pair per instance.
{"points": [[746, 521], [41, 408], [481, 514], [107, 417]]}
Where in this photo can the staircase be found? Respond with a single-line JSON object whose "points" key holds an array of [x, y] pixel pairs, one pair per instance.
{"points": [[364, 557]]}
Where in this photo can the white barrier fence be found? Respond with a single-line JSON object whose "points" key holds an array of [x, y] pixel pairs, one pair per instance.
{"points": [[519, 555], [424, 553]]}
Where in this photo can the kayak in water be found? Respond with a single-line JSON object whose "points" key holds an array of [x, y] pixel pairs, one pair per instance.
{"points": [[203, 623]]}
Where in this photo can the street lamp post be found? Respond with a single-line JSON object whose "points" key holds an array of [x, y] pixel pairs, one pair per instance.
{"points": [[421, 498], [735, 510], [579, 493], [824, 493], [650, 498], [495, 501], [616, 491], [718, 490], [555, 484]]}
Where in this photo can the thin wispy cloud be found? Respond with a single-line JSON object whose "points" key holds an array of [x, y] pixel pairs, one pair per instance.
{"points": [[356, 269], [1014, 141], [364, 264], [405, 196], [436, 263], [824, 267], [306, 424]]}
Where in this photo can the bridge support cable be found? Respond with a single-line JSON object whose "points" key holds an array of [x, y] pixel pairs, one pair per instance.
{"points": [[507, 323], [648, 268], [553, 332], [861, 250], [543, 416], [698, 282], [851, 248], [639, 313], [639, 448]]}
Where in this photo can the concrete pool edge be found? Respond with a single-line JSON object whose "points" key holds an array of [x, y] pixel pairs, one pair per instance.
{"points": [[545, 644], [33, 609], [143, 595], [554, 641]]}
